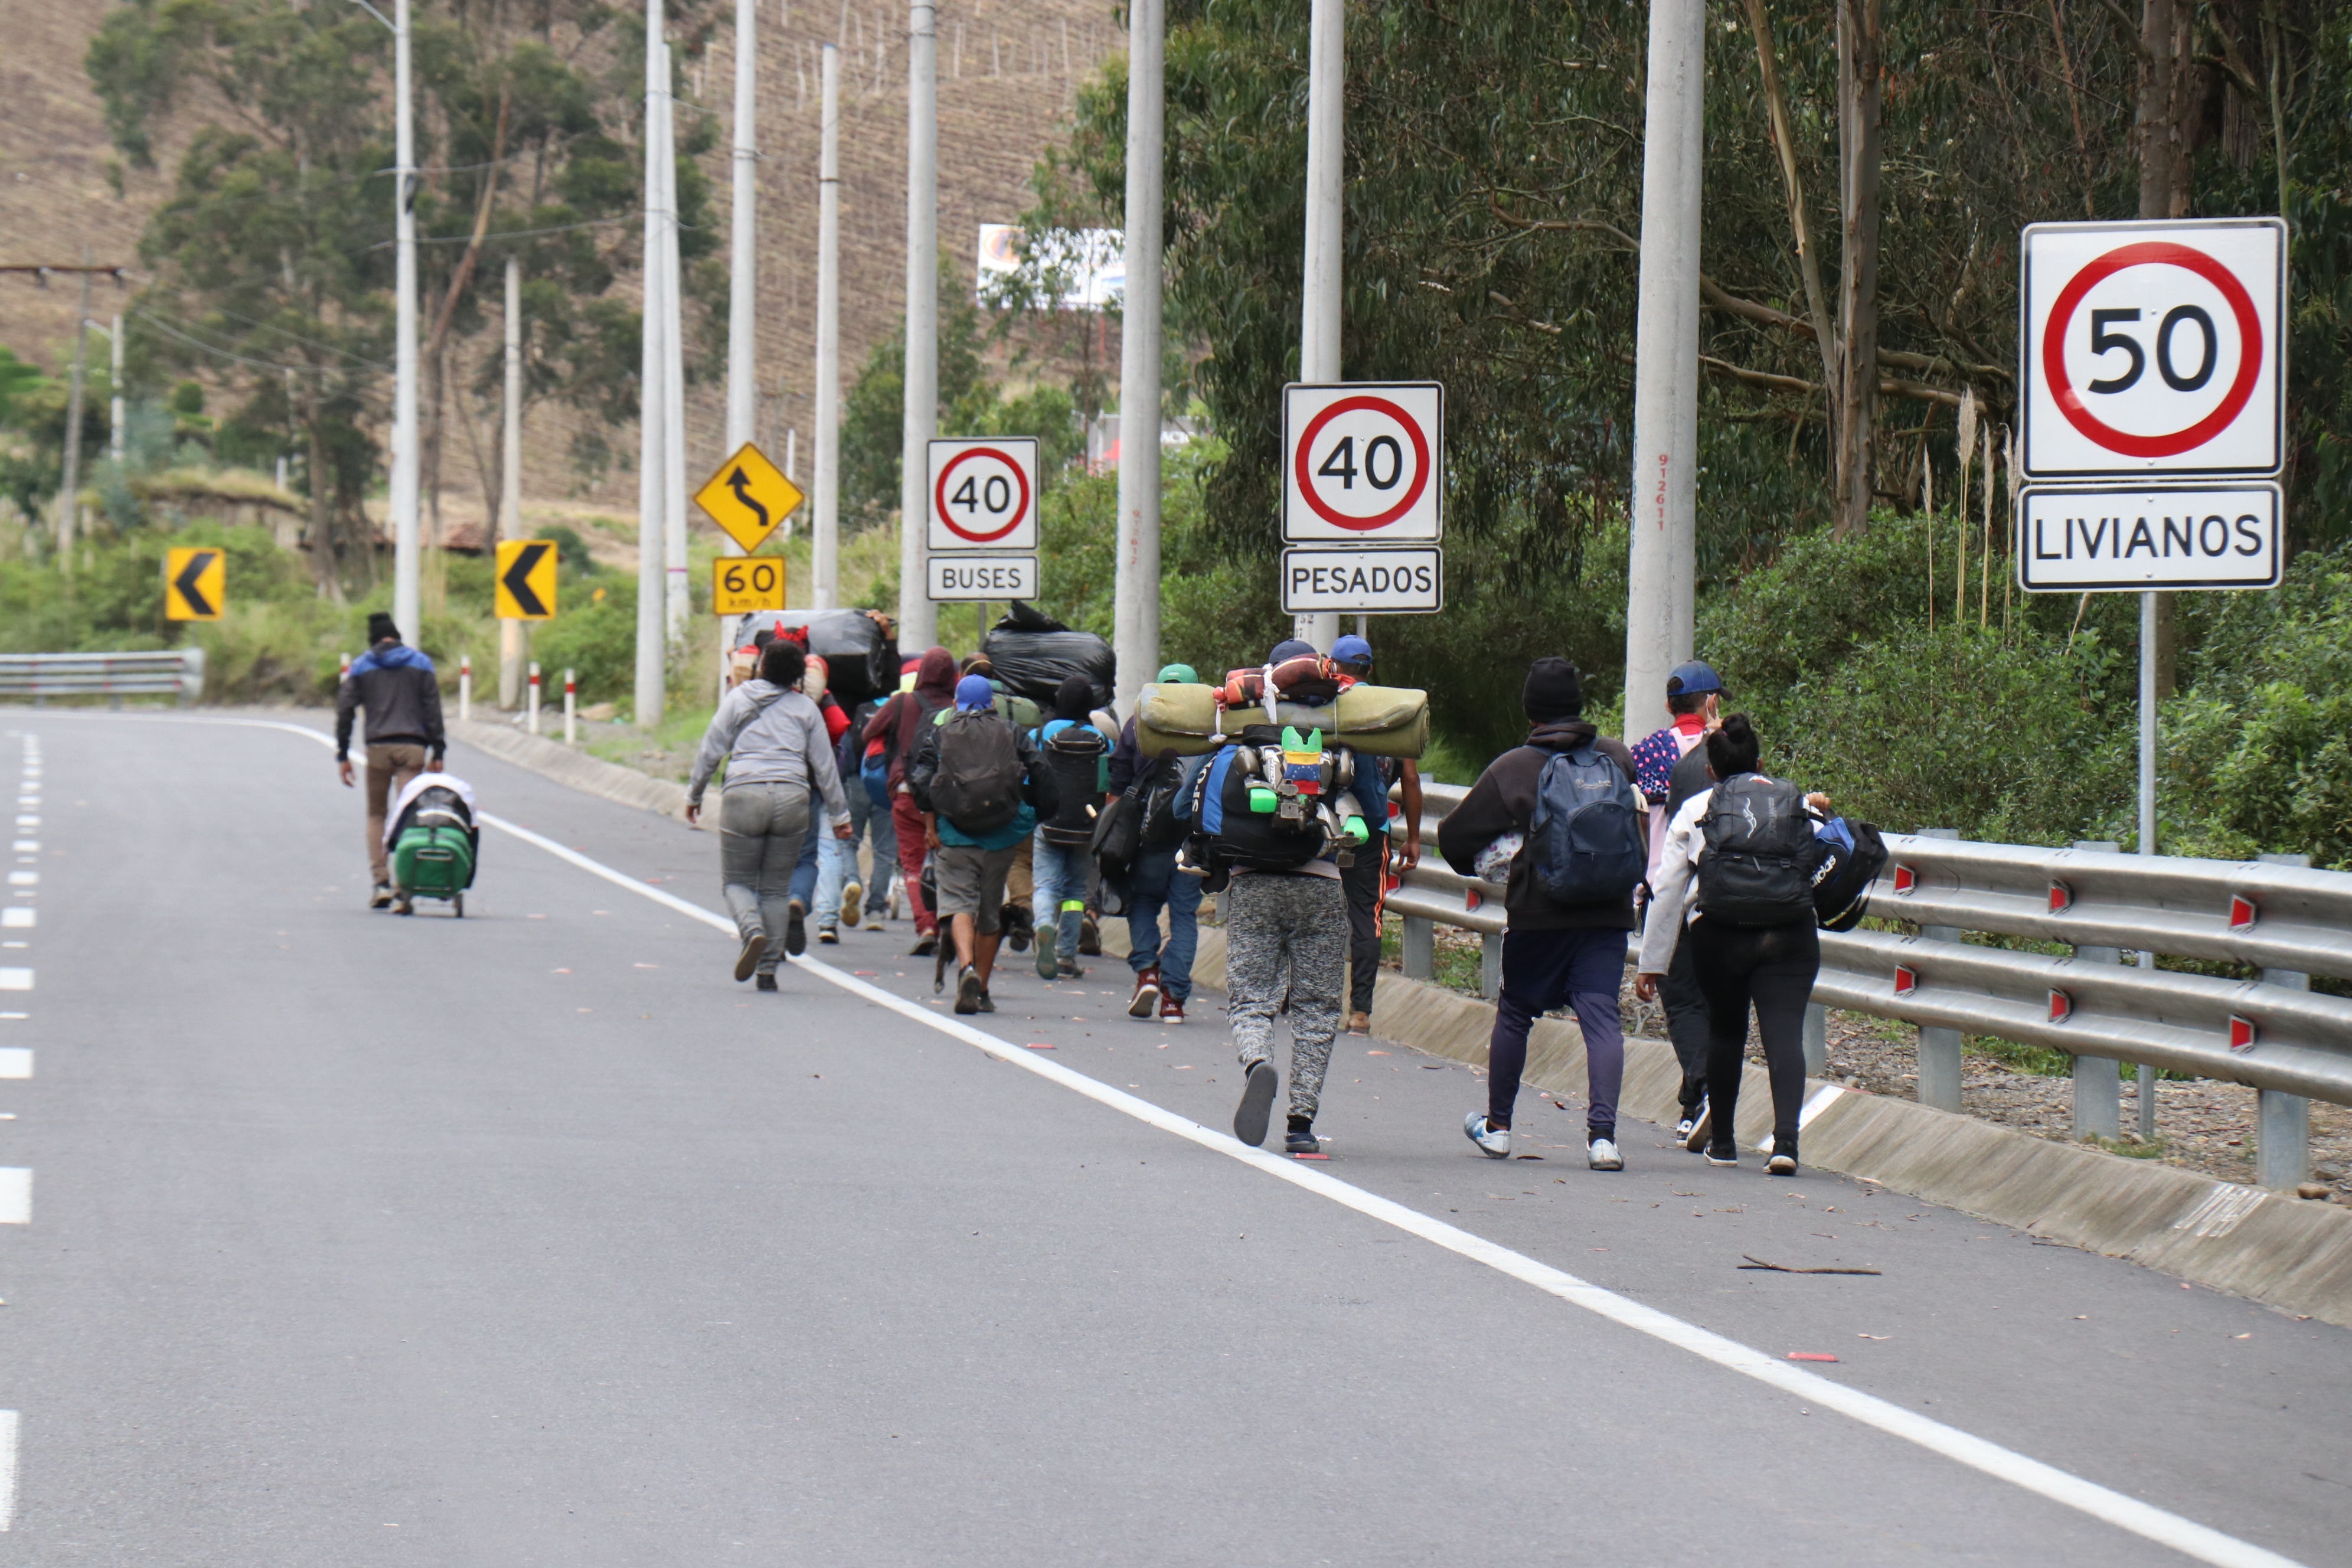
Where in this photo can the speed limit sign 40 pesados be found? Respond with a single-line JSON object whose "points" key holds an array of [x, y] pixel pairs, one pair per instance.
{"points": [[1363, 462], [2153, 348], [984, 494]]}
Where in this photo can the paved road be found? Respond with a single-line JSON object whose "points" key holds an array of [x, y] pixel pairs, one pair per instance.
{"points": [[533, 1239]]}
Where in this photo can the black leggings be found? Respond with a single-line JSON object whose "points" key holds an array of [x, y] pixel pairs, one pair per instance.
{"points": [[1773, 967]]}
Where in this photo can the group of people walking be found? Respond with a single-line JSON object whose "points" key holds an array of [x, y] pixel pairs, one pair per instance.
{"points": [[966, 790]]}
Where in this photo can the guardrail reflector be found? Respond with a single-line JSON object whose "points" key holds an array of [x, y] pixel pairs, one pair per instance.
{"points": [[2061, 897], [2242, 1033], [2243, 913], [2062, 1006], [1906, 980], [1905, 878]]}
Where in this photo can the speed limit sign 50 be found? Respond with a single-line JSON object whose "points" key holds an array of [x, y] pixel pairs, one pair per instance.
{"points": [[1363, 462], [984, 494], [2153, 348]]}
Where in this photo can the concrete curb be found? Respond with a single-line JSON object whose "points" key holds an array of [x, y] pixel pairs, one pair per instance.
{"points": [[2282, 1251], [568, 766]]}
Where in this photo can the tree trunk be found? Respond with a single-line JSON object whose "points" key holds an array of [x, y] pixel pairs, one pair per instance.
{"points": [[324, 563], [1860, 39], [1809, 262]]}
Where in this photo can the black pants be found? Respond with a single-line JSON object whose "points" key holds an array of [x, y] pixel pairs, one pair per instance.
{"points": [[1773, 968], [1363, 879], [1685, 1007]]}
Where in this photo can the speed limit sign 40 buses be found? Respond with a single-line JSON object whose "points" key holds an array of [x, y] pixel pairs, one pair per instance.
{"points": [[984, 494], [2153, 348]]}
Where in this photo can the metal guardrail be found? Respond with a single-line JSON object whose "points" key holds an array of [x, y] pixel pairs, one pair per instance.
{"points": [[2289, 922], [161, 672]]}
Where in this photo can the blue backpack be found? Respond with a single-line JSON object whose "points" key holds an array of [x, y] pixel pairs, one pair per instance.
{"points": [[1585, 841]]}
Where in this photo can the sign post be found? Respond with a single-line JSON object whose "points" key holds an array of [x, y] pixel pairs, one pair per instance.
{"points": [[981, 537], [2152, 366], [1363, 498]]}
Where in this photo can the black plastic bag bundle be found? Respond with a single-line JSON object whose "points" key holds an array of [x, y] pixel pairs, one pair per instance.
{"points": [[1033, 653], [861, 661]]}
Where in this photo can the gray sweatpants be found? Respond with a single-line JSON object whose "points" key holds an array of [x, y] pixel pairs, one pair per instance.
{"points": [[762, 827], [1287, 933]]}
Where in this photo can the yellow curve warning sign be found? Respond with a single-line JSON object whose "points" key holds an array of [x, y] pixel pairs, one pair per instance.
{"points": [[196, 583], [525, 582], [748, 498]]}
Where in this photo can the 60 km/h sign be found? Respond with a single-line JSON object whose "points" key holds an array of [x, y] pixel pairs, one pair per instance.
{"points": [[740, 585], [2153, 348], [1363, 462], [984, 494]]}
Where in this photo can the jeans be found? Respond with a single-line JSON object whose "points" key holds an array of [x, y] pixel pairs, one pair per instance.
{"points": [[1773, 967], [1057, 899], [1153, 883], [811, 851], [762, 828], [1541, 970], [907, 819], [837, 859]]}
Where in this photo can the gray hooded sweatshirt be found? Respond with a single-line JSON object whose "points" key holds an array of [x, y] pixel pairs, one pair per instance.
{"points": [[769, 735]]}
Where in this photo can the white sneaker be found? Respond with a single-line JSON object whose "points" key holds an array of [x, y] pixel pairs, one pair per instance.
{"points": [[853, 903], [1601, 1154], [1494, 1141]]}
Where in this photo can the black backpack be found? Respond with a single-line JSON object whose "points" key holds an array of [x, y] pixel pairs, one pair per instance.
{"points": [[1231, 832], [978, 784], [1760, 855], [1167, 819], [1075, 757], [1842, 880], [1585, 841]]}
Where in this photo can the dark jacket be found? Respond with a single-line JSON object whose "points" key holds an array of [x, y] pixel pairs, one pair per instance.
{"points": [[1039, 798], [1503, 801], [402, 695], [895, 724]]}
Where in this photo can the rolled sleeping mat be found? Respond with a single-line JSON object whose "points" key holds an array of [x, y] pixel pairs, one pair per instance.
{"points": [[1378, 721], [1177, 720]]}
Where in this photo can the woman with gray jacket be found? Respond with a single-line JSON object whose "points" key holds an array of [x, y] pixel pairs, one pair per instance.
{"points": [[773, 742]]}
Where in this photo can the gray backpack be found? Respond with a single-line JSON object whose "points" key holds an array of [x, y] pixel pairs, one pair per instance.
{"points": [[978, 784]]}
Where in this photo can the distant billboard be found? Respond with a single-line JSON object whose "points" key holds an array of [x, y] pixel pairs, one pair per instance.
{"points": [[1071, 269]]}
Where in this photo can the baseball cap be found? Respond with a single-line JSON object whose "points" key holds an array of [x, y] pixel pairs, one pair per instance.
{"points": [[1178, 675], [973, 693], [1693, 679], [1352, 650], [1289, 648]]}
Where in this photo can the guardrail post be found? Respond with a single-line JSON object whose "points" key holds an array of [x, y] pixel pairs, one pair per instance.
{"points": [[531, 712], [2098, 1081], [465, 689], [1420, 947], [2283, 1130], [570, 707], [1490, 964], [1817, 1039], [1939, 1048]]}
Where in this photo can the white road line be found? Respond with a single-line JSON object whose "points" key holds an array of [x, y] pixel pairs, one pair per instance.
{"points": [[2183, 1535], [24, 878], [15, 1061], [15, 1195], [16, 980], [17, 919], [7, 1470]]}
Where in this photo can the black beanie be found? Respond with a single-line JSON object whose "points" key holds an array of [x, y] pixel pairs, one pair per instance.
{"points": [[1074, 699], [380, 627], [1552, 691]]}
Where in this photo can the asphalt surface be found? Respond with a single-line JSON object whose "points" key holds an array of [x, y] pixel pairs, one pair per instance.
{"points": [[533, 1239]]}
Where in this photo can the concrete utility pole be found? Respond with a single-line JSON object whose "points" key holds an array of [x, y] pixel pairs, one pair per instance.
{"points": [[652, 445], [742, 297], [1136, 625], [677, 606], [824, 537], [1660, 601], [118, 434], [1319, 320], [69, 487], [511, 633], [917, 620], [405, 601]]}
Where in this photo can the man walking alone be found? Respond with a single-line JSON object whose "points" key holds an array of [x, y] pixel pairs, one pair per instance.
{"points": [[396, 685]]}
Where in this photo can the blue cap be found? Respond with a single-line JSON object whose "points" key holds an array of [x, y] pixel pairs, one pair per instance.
{"points": [[1693, 679], [1352, 650], [973, 693], [1289, 648]]}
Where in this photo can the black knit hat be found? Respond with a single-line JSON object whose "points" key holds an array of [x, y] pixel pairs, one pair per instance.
{"points": [[380, 627], [1552, 691], [1074, 698]]}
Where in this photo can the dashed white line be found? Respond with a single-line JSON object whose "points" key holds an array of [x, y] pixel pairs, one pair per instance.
{"points": [[24, 878], [15, 1061], [16, 1194], [7, 1470], [16, 980], [17, 919]]}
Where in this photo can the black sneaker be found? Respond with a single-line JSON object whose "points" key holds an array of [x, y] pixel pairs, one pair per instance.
{"points": [[987, 1003], [1702, 1128], [765, 982], [1301, 1143], [381, 898], [1723, 1153], [968, 991], [1019, 927], [1783, 1161], [755, 946], [1257, 1104], [796, 929]]}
